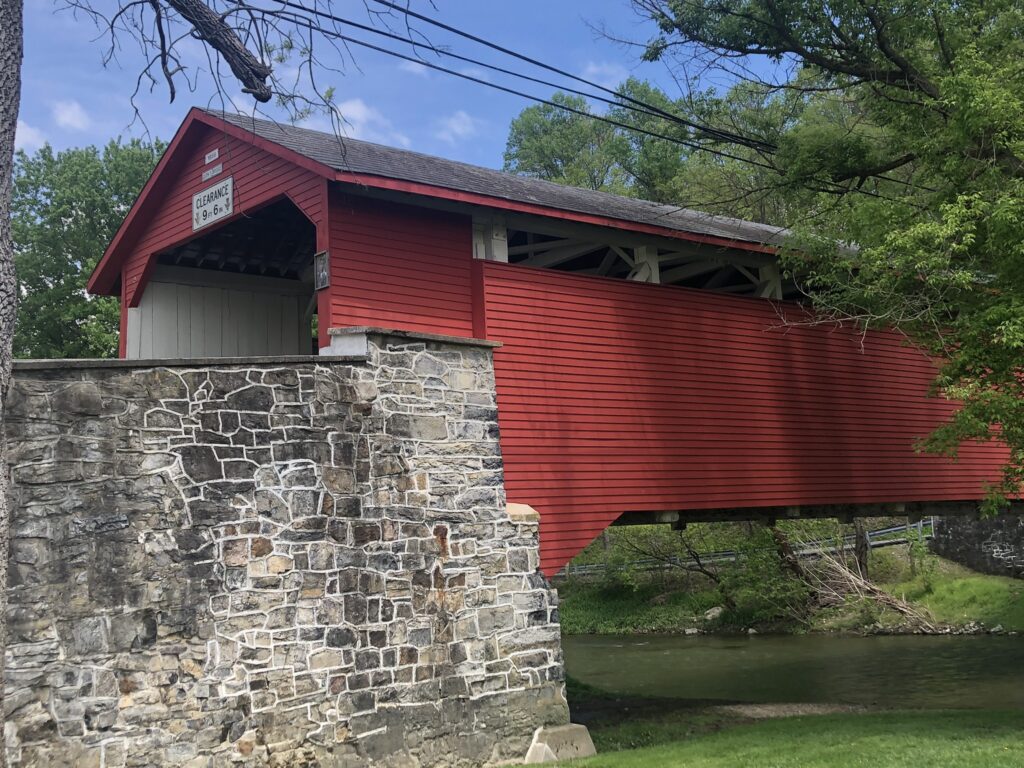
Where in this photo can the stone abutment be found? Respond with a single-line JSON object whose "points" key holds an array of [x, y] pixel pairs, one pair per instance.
{"points": [[991, 545], [304, 562]]}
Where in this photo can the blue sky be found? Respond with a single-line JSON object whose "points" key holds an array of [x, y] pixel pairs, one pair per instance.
{"points": [[70, 99]]}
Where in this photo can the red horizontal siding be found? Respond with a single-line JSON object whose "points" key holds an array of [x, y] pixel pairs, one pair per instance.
{"points": [[258, 177], [399, 266], [617, 397]]}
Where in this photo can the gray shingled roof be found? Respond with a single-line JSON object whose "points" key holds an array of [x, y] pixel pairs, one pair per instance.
{"points": [[388, 162]]}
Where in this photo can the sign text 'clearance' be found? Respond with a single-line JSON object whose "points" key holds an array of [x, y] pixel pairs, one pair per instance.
{"points": [[213, 204]]}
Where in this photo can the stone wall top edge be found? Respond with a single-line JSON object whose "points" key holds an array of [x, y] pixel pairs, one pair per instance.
{"points": [[413, 336], [195, 362]]}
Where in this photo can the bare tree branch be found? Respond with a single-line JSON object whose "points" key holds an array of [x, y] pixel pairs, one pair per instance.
{"points": [[210, 28]]}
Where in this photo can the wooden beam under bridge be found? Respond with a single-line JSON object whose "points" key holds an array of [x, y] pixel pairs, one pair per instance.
{"points": [[844, 512]]}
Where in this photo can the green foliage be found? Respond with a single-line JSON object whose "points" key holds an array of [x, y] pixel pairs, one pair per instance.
{"points": [[922, 562], [754, 587], [66, 207], [951, 593], [619, 609], [910, 144], [758, 588], [549, 143], [556, 145], [651, 165], [990, 600]]}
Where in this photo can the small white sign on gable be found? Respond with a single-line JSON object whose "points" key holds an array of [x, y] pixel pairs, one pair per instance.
{"points": [[213, 204], [209, 173]]}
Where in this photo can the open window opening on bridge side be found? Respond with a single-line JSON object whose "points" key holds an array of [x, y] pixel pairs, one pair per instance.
{"points": [[604, 252], [243, 289]]}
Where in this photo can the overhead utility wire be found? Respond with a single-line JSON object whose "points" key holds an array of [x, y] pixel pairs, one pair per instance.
{"points": [[522, 57], [534, 62], [299, 21], [304, 22], [646, 109]]}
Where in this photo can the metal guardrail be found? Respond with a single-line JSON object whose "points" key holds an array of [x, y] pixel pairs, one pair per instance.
{"points": [[876, 539]]}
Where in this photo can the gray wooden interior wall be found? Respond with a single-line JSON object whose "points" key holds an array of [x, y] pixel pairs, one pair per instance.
{"points": [[177, 318]]}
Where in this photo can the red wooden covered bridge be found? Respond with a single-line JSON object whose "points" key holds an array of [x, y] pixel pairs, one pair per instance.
{"points": [[647, 368]]}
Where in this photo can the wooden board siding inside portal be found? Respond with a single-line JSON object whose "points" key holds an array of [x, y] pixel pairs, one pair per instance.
{"points": [[616, 397], [182, 315]]}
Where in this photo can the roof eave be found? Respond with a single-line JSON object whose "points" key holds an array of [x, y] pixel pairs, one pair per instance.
{"points": [[502, 203], [106, 275]]}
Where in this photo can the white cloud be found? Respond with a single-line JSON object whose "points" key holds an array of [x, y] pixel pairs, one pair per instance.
{"points": [[457, 126], [71, 114], [479, 74], [27, 138], [414, 68], [361, 121], [606, 73]]}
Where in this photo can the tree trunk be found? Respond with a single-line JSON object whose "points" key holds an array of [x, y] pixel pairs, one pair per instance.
{"points": [[861, 547], [787, 556], [11, 46]]}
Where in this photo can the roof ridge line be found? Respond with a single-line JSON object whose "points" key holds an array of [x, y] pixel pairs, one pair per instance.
{"points": [[665, 209]]}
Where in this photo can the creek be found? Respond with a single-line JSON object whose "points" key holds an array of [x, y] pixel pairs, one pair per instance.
{"points": [[906, 672]]}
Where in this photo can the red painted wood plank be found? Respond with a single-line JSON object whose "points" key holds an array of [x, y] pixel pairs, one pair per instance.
{"points": [[399, 266], [617, 397], [258, 177]]}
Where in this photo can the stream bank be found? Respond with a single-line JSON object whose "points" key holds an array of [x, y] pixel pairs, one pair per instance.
{"points": [[955, 599]]}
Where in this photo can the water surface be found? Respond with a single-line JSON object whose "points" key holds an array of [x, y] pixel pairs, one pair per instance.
{"points": [[928, 672]]}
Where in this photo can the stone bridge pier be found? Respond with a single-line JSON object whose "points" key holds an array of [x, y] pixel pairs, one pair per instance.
{"points": [[290, 562]]}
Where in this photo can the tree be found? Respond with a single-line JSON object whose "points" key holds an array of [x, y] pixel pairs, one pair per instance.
{"points": [[642, 154], [911, 143], [11, 46], [652, 165], [746, 184], [66, 207], [568, 147], [550, 143]]}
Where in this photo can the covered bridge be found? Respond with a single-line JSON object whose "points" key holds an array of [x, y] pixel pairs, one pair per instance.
{"points": [[649, 367]]}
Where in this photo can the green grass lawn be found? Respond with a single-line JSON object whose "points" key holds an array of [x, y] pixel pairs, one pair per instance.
{"points": [[954, 739]]}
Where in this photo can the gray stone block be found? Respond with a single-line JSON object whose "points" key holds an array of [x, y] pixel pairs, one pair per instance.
{"points": [[295, 565], [561, 742]]}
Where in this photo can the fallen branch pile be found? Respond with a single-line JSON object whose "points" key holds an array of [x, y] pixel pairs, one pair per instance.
{"points": [[835, 582]]}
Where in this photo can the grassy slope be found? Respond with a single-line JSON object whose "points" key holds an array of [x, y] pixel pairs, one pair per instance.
{"points": [[955, 595], [951, 593], [970, 739]]}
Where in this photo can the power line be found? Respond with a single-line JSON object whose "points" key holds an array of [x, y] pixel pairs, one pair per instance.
{"points": [[626, 126], [634, 105], [522, 57], [301, 21]]}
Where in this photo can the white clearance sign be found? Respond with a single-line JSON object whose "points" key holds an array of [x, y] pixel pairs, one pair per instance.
{"points": [[213, 204]]}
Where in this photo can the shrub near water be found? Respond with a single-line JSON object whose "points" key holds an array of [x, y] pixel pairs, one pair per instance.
{"points": [[613, 607], [755, 588]]}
